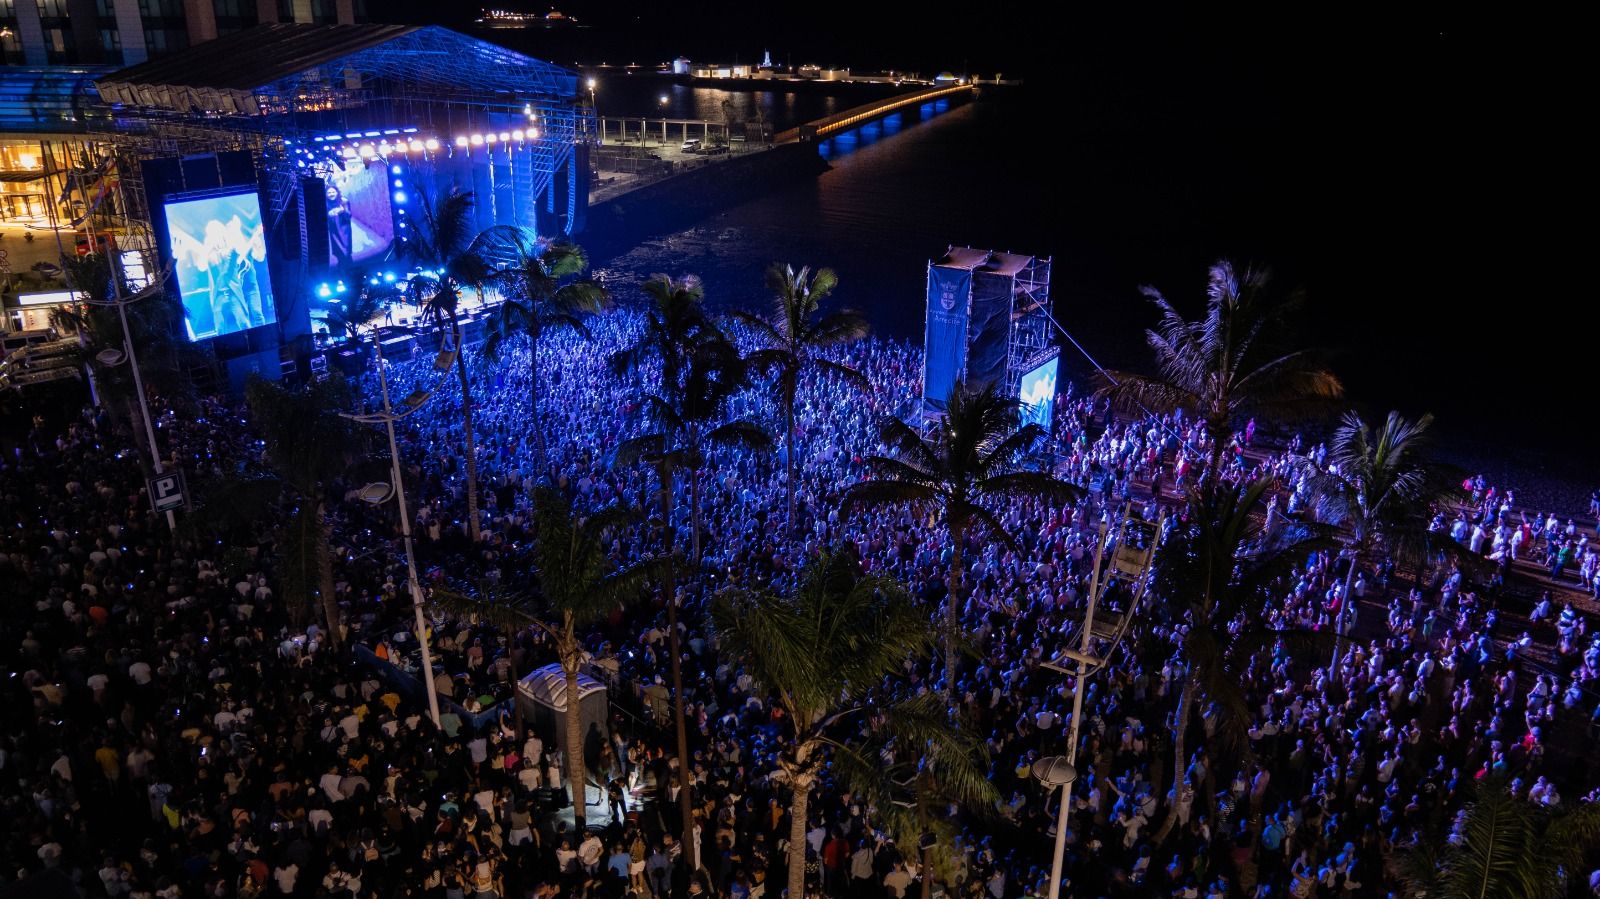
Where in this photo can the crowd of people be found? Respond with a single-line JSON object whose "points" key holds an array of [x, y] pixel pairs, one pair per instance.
{"points": [[176, 725]]}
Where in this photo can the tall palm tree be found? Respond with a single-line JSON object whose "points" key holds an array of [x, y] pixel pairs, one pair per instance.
{"points": [[1382, 489], [1231, 362], [1217, 568], [441, 241], [818, 652], [685, 431], [540, 294], [794, 336], [1504, 847], [675, 324], [577, 586], [693, 421], [308, 446], [969, 456]]}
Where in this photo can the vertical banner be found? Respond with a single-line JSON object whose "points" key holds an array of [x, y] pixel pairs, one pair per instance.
{"points": [[989, 328], [946, 340]]}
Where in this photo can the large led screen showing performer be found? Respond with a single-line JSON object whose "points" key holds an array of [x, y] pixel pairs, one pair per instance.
{"points": [[219, 254], [1037, 392], [360, 223]]}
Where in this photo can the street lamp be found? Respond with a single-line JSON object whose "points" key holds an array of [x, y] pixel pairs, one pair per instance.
{"points": [[663, 119], [112, 357], [594, 109], [1130, 562], [380, 493]]}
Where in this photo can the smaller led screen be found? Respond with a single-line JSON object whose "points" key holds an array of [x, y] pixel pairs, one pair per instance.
{"points": [[1037, 392], [360, 223], [219, 256]]}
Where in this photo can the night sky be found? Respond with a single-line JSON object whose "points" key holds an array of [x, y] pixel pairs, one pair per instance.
{"points": [[1415, 168]]}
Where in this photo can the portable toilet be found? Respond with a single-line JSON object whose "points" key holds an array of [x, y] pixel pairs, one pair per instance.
{"points": [[543, 697]]}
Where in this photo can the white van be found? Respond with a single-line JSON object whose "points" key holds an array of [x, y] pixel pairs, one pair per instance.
{"points": [[692, 145]]}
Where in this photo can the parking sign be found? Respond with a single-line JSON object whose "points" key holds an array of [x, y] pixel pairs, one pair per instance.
{"points": [[167, 492]]}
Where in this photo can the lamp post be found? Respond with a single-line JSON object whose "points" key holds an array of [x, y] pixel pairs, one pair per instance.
{"points": [[595, 109], [663, 120], [132, 358], [388, 418]]}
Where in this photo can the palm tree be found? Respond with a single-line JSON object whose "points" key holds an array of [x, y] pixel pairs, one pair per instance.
{"points": [[308, 445], [818, 652], [1505, 847], [675, 324], [1229, 363], [1213, 571], [686, 430], [577, 586], [540, 294], [693, 421], [970, 455], [353, 318], [441, 243], [152, 322], [795, 335], [1381, 489]]}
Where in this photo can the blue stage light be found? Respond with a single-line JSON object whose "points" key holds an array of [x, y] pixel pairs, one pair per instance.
{"points": [[389, 277], [339, 287], [400, 198], [324, 291]]}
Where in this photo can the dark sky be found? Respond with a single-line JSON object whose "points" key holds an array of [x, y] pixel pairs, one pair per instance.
{"points": [[1438, 146]]}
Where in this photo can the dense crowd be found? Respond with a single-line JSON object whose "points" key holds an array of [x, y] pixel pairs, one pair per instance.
{"points": [[174, 726]]}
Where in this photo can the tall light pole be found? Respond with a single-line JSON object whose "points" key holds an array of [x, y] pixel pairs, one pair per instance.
{"points": [[663, 120], [121, 304], [594, 108], [388, 417], [1060, 770], [1131, 563]]}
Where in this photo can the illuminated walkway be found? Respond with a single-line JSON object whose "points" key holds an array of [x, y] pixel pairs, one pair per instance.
{"points": [[856, 115]]}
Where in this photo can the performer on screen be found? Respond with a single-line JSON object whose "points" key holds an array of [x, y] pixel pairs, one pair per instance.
{"points": [[340, 231], [224, 279]]}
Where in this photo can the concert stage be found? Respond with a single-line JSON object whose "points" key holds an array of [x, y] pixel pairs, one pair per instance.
{"points": [[274, 169]]}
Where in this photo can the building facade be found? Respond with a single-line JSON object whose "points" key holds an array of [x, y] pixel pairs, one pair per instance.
{"points": [[128, 32]]}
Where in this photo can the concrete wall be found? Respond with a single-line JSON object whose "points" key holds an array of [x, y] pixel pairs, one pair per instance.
{"points": [[678, 202]]}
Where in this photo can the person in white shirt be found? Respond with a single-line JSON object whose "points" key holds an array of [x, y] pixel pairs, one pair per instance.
{"points": [[589, 852], [330, 783], [285, 875]]}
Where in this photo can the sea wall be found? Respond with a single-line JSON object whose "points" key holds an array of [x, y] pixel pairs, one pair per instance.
{"points": [[672, 204]]}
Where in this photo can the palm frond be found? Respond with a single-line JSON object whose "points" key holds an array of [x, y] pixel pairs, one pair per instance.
{"points": [[741, 433]]}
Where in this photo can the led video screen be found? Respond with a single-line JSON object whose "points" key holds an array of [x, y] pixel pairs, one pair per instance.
{"points": [[219, 255], [360, 223], [1037, 391]]}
